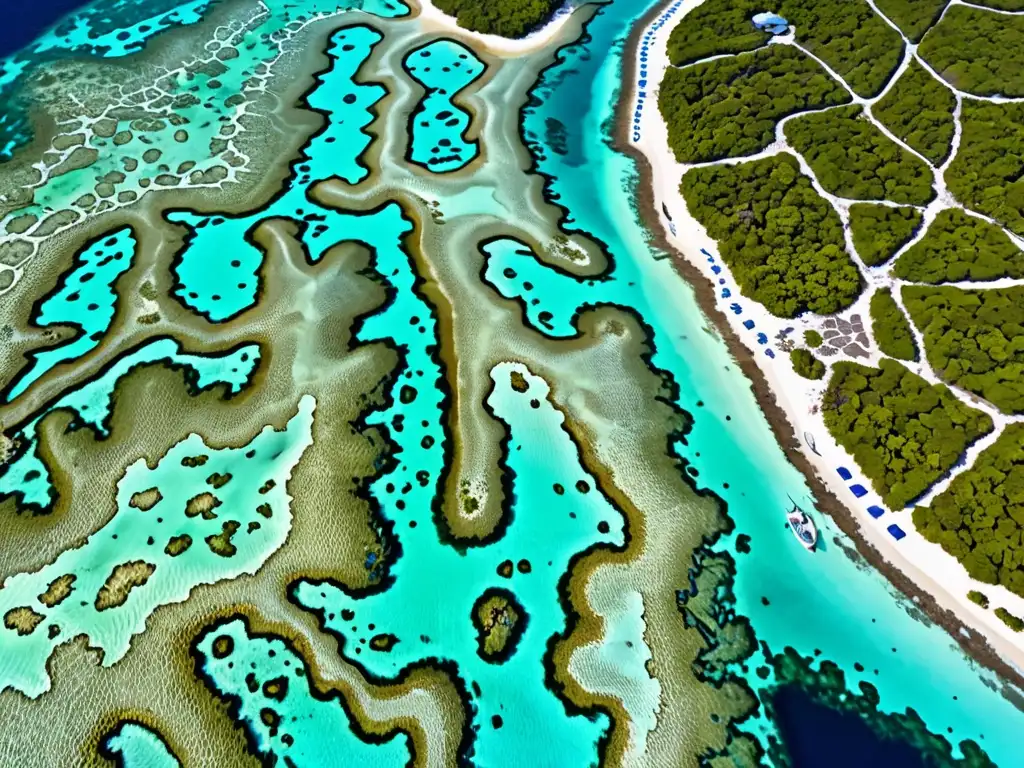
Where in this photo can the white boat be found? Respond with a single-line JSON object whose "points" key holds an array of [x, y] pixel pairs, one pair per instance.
{"points": [[803, 527]]}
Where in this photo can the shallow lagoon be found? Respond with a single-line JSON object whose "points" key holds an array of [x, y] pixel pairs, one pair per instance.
{"points": [[217, 272], [86, 300], [824, 603], [443, 68]]}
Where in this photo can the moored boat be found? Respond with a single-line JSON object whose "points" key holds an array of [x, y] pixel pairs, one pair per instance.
{"points": [[803, 527]]}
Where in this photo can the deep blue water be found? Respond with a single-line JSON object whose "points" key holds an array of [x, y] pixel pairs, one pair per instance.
{"points": [[817, 736], [25, 21]]}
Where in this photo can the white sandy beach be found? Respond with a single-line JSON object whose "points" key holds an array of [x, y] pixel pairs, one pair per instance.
{"points": [[927, 564]]}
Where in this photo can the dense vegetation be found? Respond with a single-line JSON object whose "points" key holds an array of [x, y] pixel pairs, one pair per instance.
{"points": [[979, 519], [881, 230], [1001, 5], [914, 17], [978, 51], [812, 338], [987, 173], [960, 247], [716, 27], [807, 365], [783, 242], [903, 432], [919, 110], [845, 34], [508, 18], [891, 328], [974, 339], [853, 159], [730, 107]]}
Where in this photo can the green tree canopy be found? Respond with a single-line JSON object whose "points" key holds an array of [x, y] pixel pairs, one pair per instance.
{"points": [[979, 518], [977, 51], [846, 34], [881, 230], [987, 174], [730, 107], [806, 364], [959, 247], [974, 339], [890, 327], [508, 18], [903, 432], [919, 110], [853, 159], [783, 242], [914, 17]]}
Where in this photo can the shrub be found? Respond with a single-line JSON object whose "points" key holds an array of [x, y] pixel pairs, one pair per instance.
{"points": [[959, 247], [919, 110], [782, 241], [903, 432], [730, 107], [812, 339], [890, 327], [806, 364], [974, 339], [714, 28], [853, 159], [1013, 622], [1002, 5], [978, 518], [978, 598], [881, 230]]}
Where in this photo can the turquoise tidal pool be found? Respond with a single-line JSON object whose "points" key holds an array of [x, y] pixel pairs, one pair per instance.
{"points": [[218, 272], [26, 477], [136, 746], [85, 300], [270, 687], [513, 709], [438, 126]]}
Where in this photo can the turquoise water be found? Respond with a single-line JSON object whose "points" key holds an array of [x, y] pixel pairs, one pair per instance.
{"points": [[824, 602], [423, 587], [26, 476], [438, 125], [136, 746], [91, 30], [218, 271], [255, 519], [418, 606], [207, 109], [275, 700], [85, 299], [551, 493]]}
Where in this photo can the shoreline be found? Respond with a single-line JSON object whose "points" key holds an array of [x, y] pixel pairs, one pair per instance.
{"points": [[973, 639]]}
